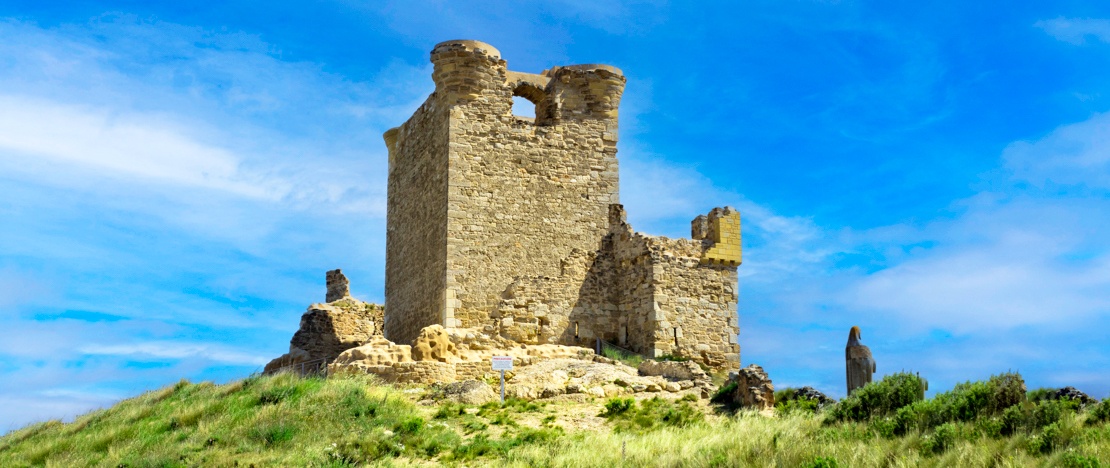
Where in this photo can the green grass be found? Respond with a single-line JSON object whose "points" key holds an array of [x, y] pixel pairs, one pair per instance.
{"points": [[628, 359], [285, 420]]}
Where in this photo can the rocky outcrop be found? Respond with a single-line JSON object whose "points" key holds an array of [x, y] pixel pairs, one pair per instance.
{"points": [[288, 361], [434, 344], [470, 392], [754, 389], [327, 330], [679, 371], [376, 352], [1073, 393], [556, 377], [673, 370], [811, 393]]}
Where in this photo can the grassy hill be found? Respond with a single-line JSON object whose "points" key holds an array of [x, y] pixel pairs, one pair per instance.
{"points": [[285, 420]]}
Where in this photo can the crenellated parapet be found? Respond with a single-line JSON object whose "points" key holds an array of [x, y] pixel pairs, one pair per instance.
{"points": [[721, 228], [463, 69]]}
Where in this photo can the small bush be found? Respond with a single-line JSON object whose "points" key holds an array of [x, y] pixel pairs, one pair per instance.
{"points": [[880, 398], [1041, 394], [274, 433], [650, 414], [800, 405], [1073, 460], [822, 462], [724, 394], [617, 406], [411, 425], [1099, 413], [943, 438], [272, 396]]}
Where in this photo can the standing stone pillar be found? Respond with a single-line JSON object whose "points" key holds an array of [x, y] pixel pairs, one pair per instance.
{"points": [[860, 364], [338, 286]]}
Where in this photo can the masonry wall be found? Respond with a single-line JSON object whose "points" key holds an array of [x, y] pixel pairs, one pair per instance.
{"points": [[329, 329], [416, 237], [652, 295], [695, 305], [512, 225], [522, 193]]}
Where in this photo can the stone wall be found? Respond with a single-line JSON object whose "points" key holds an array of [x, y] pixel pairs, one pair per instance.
{"points": [[512, 226], [653, 295], [329, 329], [521, 194], [416, 220], [694, 305]]}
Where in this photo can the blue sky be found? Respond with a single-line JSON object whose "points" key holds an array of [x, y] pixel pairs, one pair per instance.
{"points": [[175, 180]]}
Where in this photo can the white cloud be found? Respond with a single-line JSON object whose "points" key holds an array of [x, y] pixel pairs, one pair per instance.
{"points": [[1075, 154], [137, 146], [1076, 30], [176, 350], [17, 411]]}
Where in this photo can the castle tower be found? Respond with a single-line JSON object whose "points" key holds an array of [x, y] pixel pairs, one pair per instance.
{"points": [[478, 196]]}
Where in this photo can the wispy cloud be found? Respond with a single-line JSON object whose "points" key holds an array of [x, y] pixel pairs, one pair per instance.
{"points": [[1076, 30], [131, 146], [177, 350], [1076, 154]]}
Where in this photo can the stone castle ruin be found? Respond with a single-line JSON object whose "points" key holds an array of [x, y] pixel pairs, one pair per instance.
{"points": [[506, 233]]}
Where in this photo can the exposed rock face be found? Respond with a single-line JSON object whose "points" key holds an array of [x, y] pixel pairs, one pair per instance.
{"points": [[754, 389], [376, 352], [338, 286], [555, 377], [471, 392], [290, 361], [811, 393], [434, 344], [674, 370], [858, 361], [329, 329], [1074, 394]]}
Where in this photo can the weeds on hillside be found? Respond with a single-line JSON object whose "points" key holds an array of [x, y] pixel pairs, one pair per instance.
{"points": [[628, 416], [624, 357], [286, 420]]}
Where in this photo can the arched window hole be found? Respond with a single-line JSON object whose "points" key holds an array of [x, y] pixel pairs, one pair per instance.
{"points": [[523, 107], [526, 99]]}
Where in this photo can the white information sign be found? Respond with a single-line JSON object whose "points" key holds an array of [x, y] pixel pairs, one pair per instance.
{"points": [[502, 363]]}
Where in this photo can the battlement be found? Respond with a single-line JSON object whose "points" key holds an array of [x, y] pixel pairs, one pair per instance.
{"points": [[721, 227], [473, 72]]}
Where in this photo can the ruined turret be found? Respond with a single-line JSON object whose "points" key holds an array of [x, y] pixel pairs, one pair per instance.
{"points": [[860, 365]]}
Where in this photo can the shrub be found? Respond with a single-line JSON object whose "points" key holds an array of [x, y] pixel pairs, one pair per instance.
{"points": [[788, 400], [822, 462], [877, 399], [617, 406], [967, 402], [942, 439], [410, 426], [1073, 460], [274, 433], [272, 396], [724, 394], [1100, 413], [1041, 394], [650, 414], [800, 405]]}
